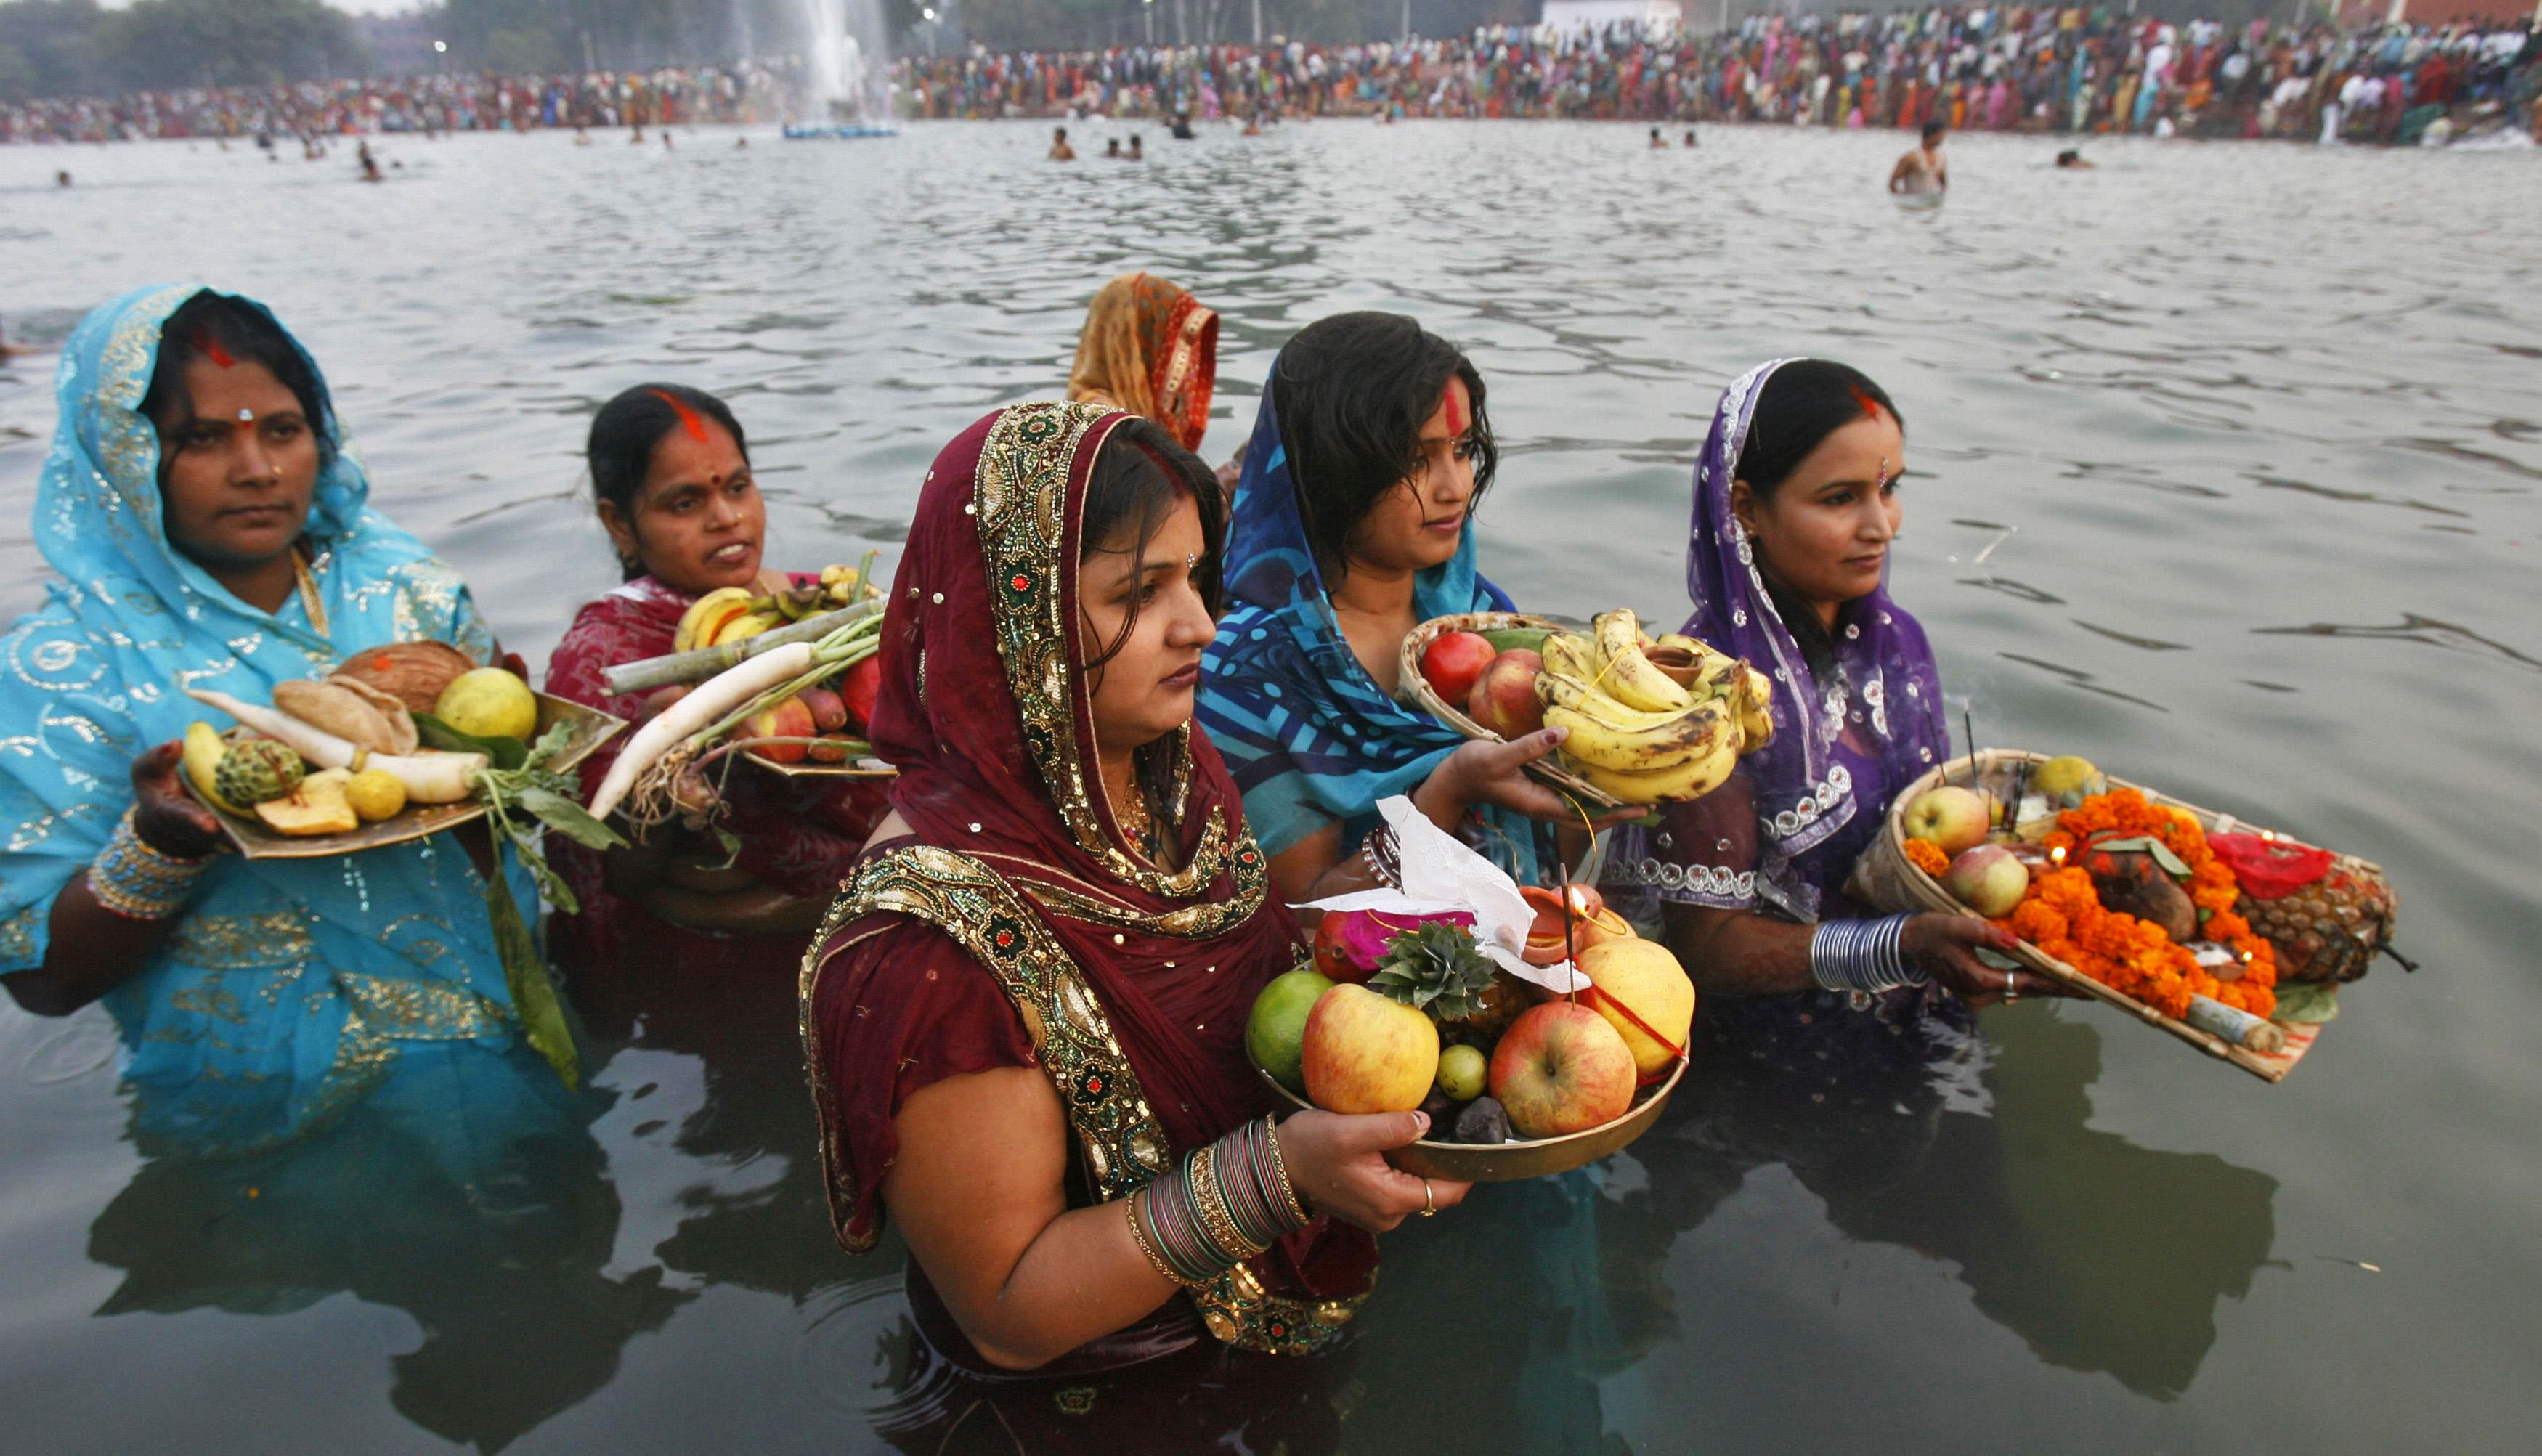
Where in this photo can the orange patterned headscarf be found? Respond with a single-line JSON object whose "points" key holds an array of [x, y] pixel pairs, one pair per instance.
{"points": [[1152, 349]]}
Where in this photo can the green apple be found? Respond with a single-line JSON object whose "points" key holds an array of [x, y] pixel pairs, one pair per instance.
{"points": [[1461, 1072], [1277, 1027]]}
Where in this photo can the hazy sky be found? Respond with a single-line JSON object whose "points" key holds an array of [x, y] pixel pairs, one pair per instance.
{"points": [[357, 7]]}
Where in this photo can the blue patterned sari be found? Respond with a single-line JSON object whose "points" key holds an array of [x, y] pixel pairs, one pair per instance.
{"points": [[289, 987], [1309, 735]]}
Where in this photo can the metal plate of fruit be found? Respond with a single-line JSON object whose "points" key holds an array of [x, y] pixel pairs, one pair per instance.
{"points": [[1508, 1162], [828, 711], [589, 728]]}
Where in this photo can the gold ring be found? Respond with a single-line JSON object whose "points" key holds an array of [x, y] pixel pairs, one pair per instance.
{"points": [[1429, 1203]]}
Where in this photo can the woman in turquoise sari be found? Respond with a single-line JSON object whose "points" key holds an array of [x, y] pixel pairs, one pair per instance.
{"points": [[1352, 524], [210, 532]]}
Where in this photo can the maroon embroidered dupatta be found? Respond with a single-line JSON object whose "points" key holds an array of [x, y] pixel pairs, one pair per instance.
{"points": [[1132, 981]]}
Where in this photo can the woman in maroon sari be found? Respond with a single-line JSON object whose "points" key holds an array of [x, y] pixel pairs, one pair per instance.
{"points": [[670, 473], [1025, 1018]]}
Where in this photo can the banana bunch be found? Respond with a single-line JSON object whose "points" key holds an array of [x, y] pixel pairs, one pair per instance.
{"points": [[732, 614], [1650, 720]]}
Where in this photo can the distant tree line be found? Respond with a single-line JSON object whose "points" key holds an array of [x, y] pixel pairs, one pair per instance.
{"points": [[72, 47]]}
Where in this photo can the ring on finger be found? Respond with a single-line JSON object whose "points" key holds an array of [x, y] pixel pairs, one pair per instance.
{"points": [[1429, 1200], [2009, 994]]}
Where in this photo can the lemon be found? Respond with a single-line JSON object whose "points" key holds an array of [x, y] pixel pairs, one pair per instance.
{"points": [[488, 702], [375, 794], [2062, 775]]}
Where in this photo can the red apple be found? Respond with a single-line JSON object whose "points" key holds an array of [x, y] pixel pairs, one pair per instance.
{"points": [[1951, 817], [1561, 1068], [788, 719], [1332, 958], [829, 712], [1988, 879], [1504, 699], [859, 689], [1454, 661], [1363, 1053]]}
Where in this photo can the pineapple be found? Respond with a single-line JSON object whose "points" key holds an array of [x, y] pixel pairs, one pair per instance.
{"points": [[2329, 929], [1436, 968]]}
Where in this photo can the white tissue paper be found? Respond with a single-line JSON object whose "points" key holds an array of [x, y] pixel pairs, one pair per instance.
{"points": [[1440, 874]]}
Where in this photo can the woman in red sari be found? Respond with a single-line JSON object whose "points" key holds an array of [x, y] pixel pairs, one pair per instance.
{"points": [[1152, 349], [670, 473], [1024, 1021]]}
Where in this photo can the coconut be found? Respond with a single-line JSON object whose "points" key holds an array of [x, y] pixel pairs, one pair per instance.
{"points": [[351, 714], [414, 673]]}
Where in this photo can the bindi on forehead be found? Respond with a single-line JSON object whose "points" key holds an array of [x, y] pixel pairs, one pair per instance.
{"points": [[211, 349], [1459, 417]]}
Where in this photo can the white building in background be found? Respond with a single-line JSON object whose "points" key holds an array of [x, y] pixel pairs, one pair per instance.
{"points": [[1571, 17]]}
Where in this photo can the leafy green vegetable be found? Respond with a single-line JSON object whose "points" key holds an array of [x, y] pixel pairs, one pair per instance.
{"points": [[519, 800], [507, 752], [1435, 967], [2302, 1001]]}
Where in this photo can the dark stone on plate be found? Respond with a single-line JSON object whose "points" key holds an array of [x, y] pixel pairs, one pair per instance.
{"points": [[1483, 1122]]}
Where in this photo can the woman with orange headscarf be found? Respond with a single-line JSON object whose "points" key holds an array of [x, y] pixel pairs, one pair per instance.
{"points": [[1151, 349]]}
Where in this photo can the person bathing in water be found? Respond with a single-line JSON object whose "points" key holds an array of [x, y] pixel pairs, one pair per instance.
{"points": [[1060, 150], [1922, 170], [1659, 143], [2073, 160]]}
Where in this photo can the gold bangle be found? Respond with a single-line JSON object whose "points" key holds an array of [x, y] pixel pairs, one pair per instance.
{"points": [[1288, 1189], [1139, 1236], [1210, 1200]]}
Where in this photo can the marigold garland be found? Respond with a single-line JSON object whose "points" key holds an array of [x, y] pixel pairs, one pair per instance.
{"points": [[1927, 857], [2063, 915]]}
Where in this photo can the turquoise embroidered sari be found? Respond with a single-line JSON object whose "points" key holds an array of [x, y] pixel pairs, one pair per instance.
{"points": [[289, 987]]}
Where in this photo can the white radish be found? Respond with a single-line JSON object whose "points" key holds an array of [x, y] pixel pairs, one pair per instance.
{"points": [[706, 706], [429, 778]]}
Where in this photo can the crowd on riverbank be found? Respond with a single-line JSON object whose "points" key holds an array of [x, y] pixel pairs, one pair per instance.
{"points": [[2022, 69], [2026, 69], [734, 92]]}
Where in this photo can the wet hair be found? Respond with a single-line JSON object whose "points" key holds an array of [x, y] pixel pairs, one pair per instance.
{"points": [[1353, 392], [619, 447], [2068, 157], [1933, 129], [225, 329], [1801, 405], [1140, 474]]}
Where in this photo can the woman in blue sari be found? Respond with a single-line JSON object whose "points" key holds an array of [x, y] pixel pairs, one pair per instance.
{"points": [[1352, 524], [210, 532]]}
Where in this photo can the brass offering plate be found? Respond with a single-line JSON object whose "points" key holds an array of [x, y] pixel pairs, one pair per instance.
{"points": [[1477, 1162]]}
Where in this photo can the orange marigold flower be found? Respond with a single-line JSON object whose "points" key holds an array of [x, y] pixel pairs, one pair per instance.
{"points": [[1927, 857]]}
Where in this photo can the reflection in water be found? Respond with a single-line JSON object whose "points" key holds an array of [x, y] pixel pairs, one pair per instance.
{"points": [[466, 1192], [2103, 1256]]}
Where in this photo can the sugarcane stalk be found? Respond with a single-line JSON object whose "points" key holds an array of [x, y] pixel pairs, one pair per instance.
{"points": [[698, 665]]}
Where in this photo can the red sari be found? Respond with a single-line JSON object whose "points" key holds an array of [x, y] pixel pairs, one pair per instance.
{"points": [[802, 840], [1018, 926]]}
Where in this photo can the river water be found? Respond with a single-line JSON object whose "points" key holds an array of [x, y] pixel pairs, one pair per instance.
{"points": [[2224, 469]]}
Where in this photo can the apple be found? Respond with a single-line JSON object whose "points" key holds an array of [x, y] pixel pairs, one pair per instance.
{"points": [[1363, 1053], [1591, 923], [1951, 817], [1333, 950], [1503, 697], [1640, 977], [829, 748], [829, 712], [1463, 1073], [1276, 1029], [1561, 1068], [1988, 879], [1453, 660], [857, 689], [788, 719]]}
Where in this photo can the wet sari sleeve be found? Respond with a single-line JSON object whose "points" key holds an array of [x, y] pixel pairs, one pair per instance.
{"points": [[1701, 853], [894, 1006], [65, 774]]}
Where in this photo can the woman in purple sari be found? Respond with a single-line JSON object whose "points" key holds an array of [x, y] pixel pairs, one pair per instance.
{"points": [[1795, 506]]}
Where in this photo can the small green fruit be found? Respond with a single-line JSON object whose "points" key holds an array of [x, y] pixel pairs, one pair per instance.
{"points": [[1461, 1073], [256, 770], [1276, 1029]]}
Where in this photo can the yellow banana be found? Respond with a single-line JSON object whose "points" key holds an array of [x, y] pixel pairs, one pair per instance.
{"points": [[1691, 780], [1571, 654], [1756, 695], [708, 614], [1648, 750], [1561, 690], [1628, 676]]}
